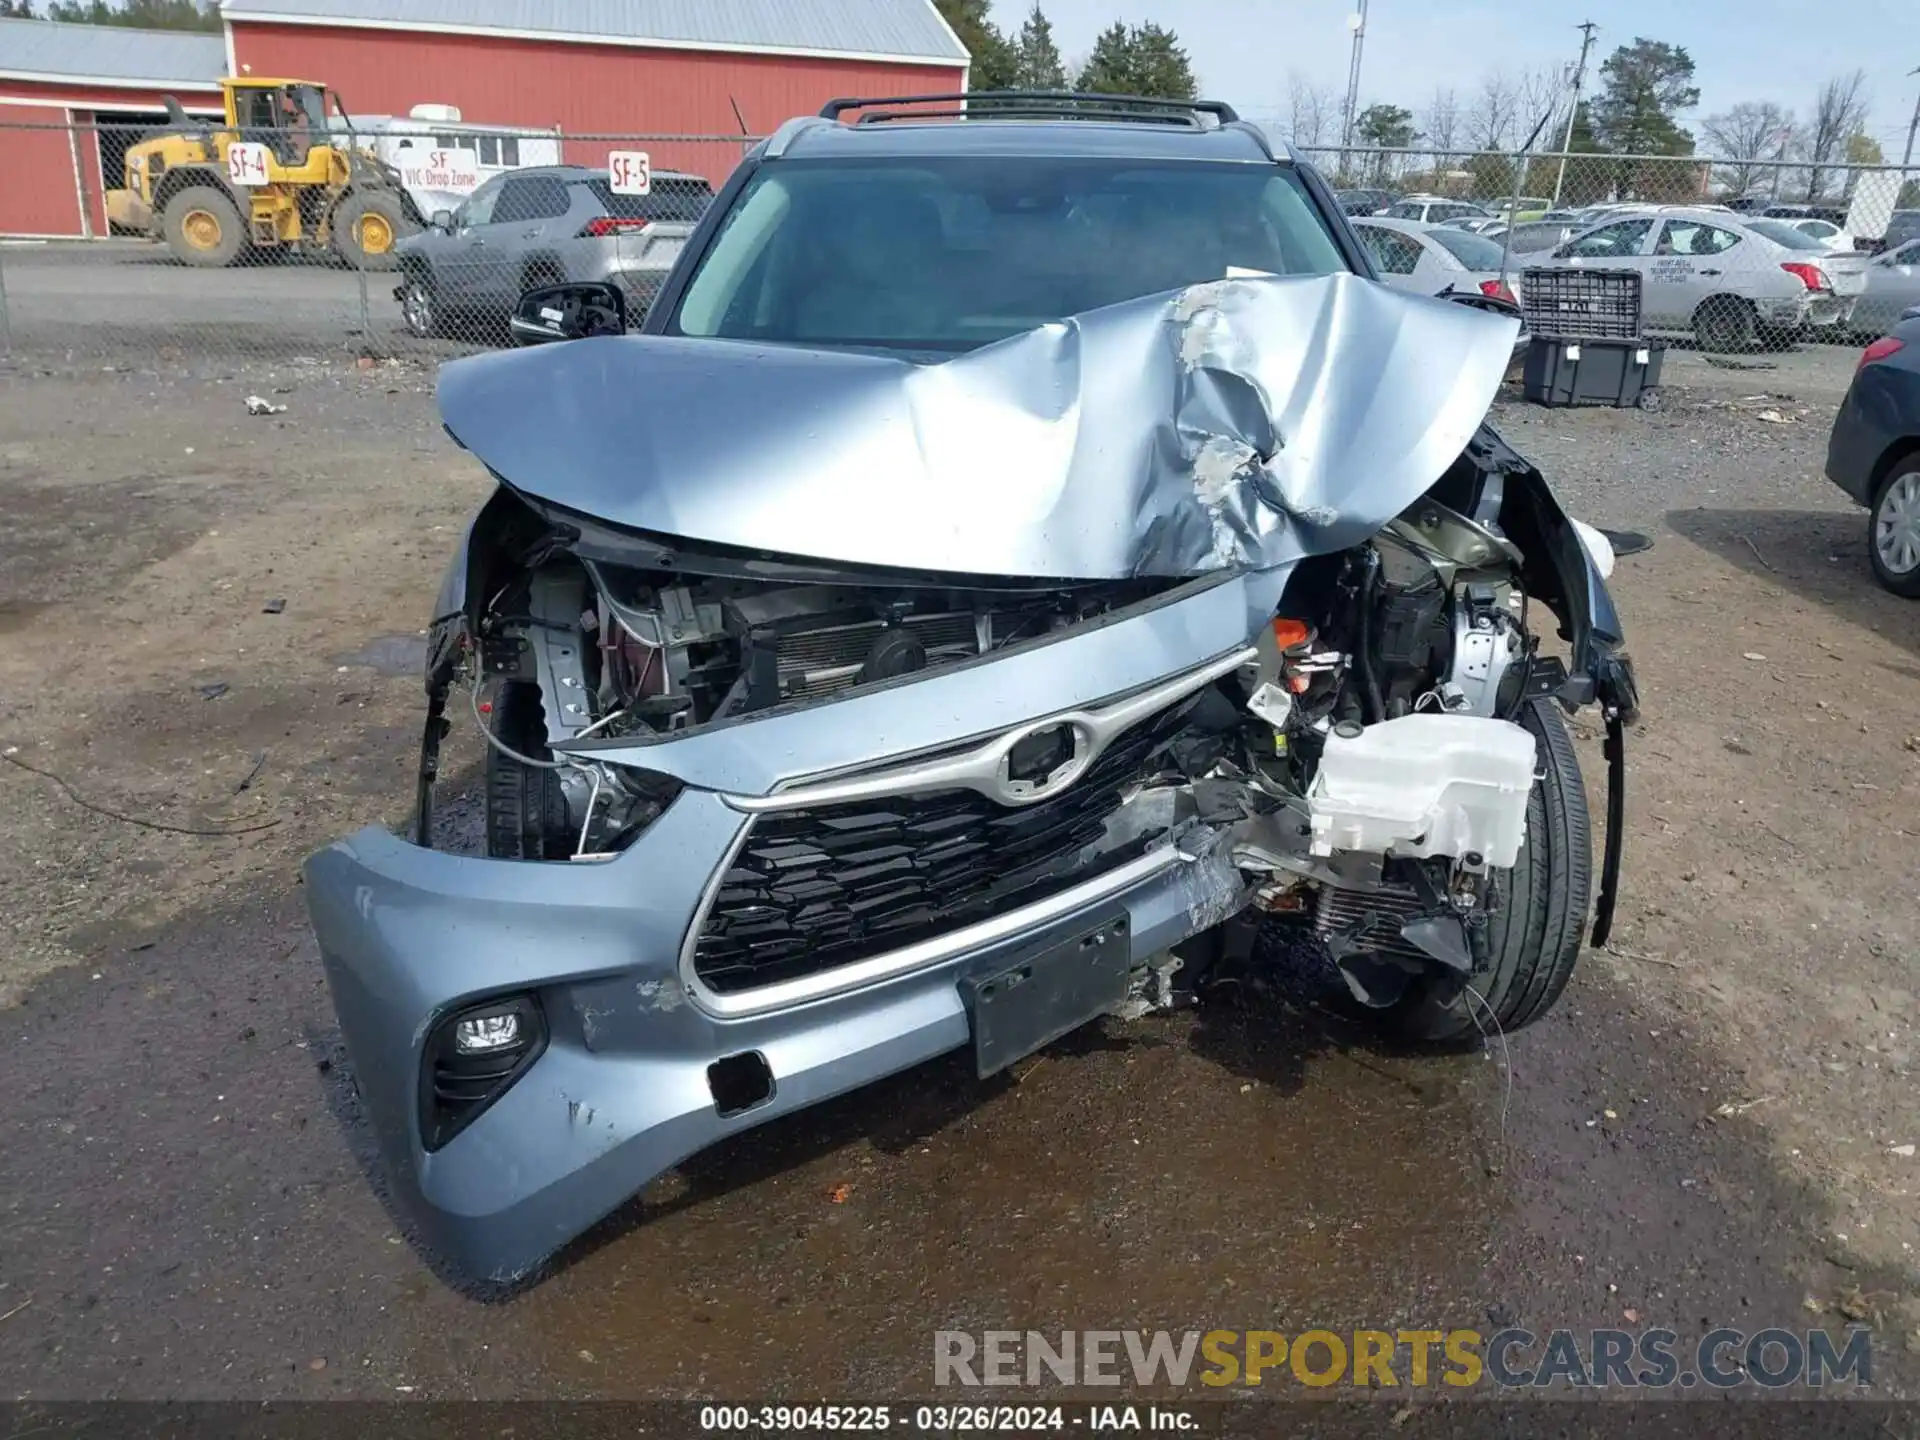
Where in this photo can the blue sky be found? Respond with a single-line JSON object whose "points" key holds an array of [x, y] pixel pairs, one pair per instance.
{"points": [[1742, 49]]}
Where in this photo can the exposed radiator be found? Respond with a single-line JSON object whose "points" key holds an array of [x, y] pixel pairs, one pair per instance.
{"points": [[1341, 909], [818, 662]]}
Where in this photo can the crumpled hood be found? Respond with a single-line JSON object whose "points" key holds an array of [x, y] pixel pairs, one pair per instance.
{"points": [[1243, 422]]}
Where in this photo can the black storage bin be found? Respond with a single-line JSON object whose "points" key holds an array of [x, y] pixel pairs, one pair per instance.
{"points": [[1581, 304], [1620, 373]]}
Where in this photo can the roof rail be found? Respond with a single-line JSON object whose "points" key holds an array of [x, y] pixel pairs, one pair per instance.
{"points": [[1035, 104]]}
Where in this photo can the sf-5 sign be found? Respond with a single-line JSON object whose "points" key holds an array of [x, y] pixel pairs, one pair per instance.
{"points": [[247, 164], [630, 172]]}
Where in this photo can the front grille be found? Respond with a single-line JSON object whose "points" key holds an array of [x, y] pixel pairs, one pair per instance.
{"points": [[814, 889]]}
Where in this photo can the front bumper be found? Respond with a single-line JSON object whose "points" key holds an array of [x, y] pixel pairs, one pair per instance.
{"points": [[621, 1091]]}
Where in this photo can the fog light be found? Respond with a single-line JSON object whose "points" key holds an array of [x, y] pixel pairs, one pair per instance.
{"points": [[482, 1033], [472, 1058]]}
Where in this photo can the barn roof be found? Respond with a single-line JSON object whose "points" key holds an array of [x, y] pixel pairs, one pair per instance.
{"points": [[111, 54], [898, 30]]}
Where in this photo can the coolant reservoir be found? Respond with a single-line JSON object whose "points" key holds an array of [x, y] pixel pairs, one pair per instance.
{"points": [[1424, 785]]}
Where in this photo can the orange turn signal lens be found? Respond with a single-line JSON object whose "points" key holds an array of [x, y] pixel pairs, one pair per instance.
{"points": [[1291, 634]]}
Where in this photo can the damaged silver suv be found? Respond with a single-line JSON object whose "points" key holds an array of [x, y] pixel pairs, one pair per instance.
{"points": [[1019, 541]]}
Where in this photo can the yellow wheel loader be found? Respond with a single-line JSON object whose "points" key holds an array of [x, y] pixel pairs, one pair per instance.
{"points": [[281, 173]]}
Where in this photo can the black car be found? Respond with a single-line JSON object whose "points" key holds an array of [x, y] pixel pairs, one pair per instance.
{"points": [[1874, 453], [1902, 226], [1368, 200]]}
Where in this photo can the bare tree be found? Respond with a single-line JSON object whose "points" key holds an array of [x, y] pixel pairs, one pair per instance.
{"points": [[1751, 131], [1539, 92], [1440, 124], [1839, 111], [1311, 111], [1490, 116]]}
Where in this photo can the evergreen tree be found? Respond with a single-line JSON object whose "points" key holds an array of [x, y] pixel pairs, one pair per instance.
{"points": [[1139, 60], [994, 64], [1036, 58]]}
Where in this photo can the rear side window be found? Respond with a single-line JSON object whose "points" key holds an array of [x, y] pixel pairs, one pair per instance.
{"points": [[1786, 235], [531, 197], [671, 198], [1690, 237], [1392, 252], [1476, 252]]}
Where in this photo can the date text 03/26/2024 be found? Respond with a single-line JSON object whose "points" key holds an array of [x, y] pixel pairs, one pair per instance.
{"points": [[949, 1419]]}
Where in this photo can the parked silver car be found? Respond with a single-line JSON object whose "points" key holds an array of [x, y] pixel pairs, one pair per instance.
{"points": [[1893, 287], [1428, 259], [538, 226], [1726, 280], [1533, 237], [1431, 210]]}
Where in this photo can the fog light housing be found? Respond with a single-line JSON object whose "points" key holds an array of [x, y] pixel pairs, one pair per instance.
{"points": [[480, 1033], [472, 1058]]}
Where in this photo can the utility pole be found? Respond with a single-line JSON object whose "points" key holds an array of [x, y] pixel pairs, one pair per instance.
{"points": [[1912, 130], [1357, 22], [1586, 29]]}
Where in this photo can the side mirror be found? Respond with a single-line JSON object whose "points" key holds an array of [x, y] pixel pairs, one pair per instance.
{"points": [[573, 311], [443, 221]]}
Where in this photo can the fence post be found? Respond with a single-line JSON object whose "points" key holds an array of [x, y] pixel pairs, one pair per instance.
{"points": [[6, 323]]}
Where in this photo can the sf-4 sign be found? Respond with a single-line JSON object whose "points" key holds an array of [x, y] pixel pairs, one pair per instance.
{"points": [[247, 164], [630, 172]]}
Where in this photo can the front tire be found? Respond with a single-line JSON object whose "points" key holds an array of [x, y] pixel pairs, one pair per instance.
{"points": [[1534, 939], [203, 227], [1726, 324], [526, 808], [1893, 530], [366, 227], [420, 305]]}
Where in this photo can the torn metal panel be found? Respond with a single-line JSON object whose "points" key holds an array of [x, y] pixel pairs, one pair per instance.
{"points": [[1241, 423]]}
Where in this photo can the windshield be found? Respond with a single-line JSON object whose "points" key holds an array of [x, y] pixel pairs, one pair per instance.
{"points": [[948, 253], [1784, 234], [1476, 252], [309, 103]]}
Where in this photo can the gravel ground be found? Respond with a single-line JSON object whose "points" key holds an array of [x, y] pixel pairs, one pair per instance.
{"points": [[1704, 1133]]}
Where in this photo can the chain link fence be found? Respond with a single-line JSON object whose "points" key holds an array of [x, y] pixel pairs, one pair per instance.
{"points": [[1730, 256], [128, 245]]}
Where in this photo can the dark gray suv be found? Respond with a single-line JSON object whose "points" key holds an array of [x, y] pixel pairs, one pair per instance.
{"points": [[538, 226]]}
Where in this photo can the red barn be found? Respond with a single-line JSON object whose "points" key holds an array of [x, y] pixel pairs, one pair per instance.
{"points": [[57, 84], [606, 68], [591, 68]]}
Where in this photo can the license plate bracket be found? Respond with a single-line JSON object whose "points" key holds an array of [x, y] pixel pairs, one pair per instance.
{"points": [[1024, 1007]]}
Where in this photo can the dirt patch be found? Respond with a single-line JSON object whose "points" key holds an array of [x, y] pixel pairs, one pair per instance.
{"points": [[1751, 1033]]}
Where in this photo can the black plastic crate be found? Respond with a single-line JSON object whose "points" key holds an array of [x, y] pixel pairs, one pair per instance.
{"points": [[1620, 373], [1581, 304]]}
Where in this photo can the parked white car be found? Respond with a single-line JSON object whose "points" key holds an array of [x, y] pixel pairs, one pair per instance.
{"points": [[1430, 259], [1726, 280], [1432, 209]]}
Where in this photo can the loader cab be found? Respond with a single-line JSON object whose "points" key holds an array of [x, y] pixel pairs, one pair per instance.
{"points": [[289, 117]]}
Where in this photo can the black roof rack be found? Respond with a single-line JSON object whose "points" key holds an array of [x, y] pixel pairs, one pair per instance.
{"points": [[1034, 105]]}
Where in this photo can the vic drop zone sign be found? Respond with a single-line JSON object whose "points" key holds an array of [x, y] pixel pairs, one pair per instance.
{"points": [[455, 172]]}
